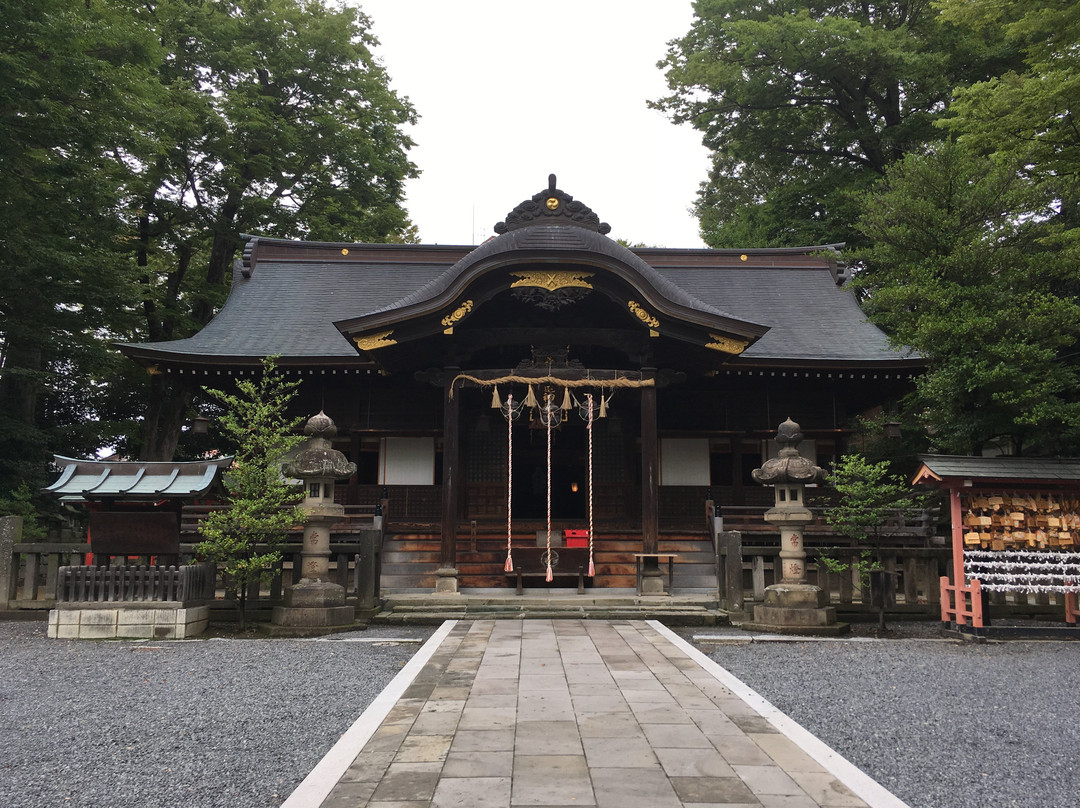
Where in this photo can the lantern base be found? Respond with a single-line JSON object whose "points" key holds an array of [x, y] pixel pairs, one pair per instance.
{"points": [[313, 616], [795, 609], [311, 603]]}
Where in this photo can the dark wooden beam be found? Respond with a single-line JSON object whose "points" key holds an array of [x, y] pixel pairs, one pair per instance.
{"points": [[451, 473], [650, 471]]}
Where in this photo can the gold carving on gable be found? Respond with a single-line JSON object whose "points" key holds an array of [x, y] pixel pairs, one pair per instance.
{"points": [[452, 319], [644, 316], [379, 340], [726, 344], [552, 279]]}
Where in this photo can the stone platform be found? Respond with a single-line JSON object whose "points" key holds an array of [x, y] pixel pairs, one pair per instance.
{"points": [[120, 620], [619, 714]]}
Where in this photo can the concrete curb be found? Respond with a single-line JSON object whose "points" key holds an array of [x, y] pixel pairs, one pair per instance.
{"points": [[317, 786], [865, 787]]}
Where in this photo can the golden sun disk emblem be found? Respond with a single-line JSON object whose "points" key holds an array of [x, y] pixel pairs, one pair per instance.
{"points": [[552, 203]]}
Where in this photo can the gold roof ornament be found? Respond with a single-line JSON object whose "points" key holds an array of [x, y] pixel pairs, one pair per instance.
{"points": [[455, 317], [375, 341], [726, 344], [551, 280], [642, 315]]}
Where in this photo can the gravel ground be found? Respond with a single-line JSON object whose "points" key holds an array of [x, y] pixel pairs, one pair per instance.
{"points": [[228, 722], [189, 724], [940, 724]]}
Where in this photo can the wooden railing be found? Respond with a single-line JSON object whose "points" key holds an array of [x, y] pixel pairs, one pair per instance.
{"points": [[907, 548], [357, 517], [30, 571], [900, 524], [135, 584]]}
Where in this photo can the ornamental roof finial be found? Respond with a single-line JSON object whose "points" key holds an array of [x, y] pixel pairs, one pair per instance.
{"points": [[552, 206]]}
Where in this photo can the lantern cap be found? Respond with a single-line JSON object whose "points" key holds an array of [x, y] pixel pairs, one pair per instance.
{"points": [[789, 466], [318, 457]]}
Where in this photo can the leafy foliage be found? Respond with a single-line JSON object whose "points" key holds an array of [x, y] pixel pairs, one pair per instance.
{"points": [[279, 122], [1028, 113], [868, 495], [243, 539], [72, 82], [21, 503], [802, 102], [967, 268], [137, 142]]}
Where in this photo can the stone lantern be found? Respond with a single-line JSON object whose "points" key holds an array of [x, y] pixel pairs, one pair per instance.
{"points": [[314, 600], [792, 606]]}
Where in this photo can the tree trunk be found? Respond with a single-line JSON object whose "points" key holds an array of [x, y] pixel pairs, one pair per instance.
{"points": [[23, 450], [166, 409], [18, 382]]}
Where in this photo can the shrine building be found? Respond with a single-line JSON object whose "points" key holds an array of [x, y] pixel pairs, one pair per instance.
{"points": [[550, 379]]}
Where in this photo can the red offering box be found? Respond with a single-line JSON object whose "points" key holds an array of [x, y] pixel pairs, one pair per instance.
{"points": [[576, 538]]}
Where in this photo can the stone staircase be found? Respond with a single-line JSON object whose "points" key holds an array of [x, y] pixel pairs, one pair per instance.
{"points": [[409, 562], [408, 581], [423, 608]]}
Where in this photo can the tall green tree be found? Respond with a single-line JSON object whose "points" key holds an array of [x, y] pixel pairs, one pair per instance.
{"points": [[243, 540], [137, 142], [1029, 115], [75, 78], [280, 122], [802, 102], [967, 268]]}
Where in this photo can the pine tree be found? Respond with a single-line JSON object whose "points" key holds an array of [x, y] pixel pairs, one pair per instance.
{"points": [[243, 540]]}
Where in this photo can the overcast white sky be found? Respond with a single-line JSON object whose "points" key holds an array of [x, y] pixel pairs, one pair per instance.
{"points": [[510, 91]]}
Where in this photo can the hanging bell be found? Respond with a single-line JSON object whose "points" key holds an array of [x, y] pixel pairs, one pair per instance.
{"points": [[496, 404]]}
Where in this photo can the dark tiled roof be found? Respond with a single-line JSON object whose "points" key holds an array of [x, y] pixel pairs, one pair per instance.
{"points": [[810, 317], [1002, 468], [289, 304], [289, 309]]}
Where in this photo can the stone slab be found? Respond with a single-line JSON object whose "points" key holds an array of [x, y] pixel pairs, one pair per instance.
{"points": [[503, 714], [127, 621]]}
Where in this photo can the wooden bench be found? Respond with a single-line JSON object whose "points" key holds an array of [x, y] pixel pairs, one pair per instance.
{"points": [[566, 562]]}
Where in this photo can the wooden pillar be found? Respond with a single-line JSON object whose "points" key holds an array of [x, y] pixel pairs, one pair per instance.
{"points": [[956, 516], [354, 481], [451, 473], [736, 471], [650, 470]]}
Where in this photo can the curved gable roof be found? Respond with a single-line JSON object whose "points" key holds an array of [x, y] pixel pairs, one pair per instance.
{"points": [[308, 302], [545, 240]]}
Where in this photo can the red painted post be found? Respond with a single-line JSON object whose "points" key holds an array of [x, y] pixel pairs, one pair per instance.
{"points": [[1071, 612], [976, 603], [957, 519]]}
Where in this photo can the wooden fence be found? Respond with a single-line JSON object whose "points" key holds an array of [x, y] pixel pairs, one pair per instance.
{"points": [[748, 551], [188, 583], [30, 571]]}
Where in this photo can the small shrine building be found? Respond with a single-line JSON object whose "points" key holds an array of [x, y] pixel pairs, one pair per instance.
{"points": [[437, 362]]}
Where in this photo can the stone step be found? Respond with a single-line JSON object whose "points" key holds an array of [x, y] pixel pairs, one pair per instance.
{"points": [[671, 617]]}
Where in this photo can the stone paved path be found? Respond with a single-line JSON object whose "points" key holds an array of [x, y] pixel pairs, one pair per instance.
{"points": [[551, 713]]}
